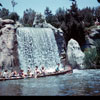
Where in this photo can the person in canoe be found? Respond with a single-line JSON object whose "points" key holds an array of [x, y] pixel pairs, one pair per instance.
{"points": [[5, 74], [21, 74], [43, 71], [14, 74], [58, 68], [29, 71], [36, 72]]}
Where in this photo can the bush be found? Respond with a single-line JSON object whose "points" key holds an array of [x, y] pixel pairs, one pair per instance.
{"points": [[69, 21], [4, 13], [97, 43], [14, 16], [28, 17], [90, 58]]}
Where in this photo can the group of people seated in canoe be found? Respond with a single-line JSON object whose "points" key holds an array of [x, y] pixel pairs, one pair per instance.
{"points": [[14, 74]]}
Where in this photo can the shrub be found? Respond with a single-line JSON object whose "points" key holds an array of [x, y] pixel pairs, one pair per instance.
{"points": [[90, 58], [14, 16], [28, 17], [4, 13], [97, 43]]}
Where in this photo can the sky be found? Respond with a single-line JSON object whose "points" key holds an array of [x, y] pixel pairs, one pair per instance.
{"points": [[40, 5]]}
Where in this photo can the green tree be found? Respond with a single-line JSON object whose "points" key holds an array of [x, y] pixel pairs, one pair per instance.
{"points": [[73, 26], [4, 13], [97, 43], [14, 16], [69, 21], [60, 14], [87, 14], [28, 17], [90, 58], [97, 13], [48, 14]]}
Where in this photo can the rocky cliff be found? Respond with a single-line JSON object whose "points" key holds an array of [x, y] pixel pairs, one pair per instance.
{"points": [[8, 44], [92, 36]]}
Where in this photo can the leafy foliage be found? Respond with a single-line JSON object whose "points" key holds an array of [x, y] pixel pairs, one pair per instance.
{"points": [[48, 14], [28, 17], [4, 13], [73, 21], [97, 43], [70, 22], [14, 16], [90, 58]]}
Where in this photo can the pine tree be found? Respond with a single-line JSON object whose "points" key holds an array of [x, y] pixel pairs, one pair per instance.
{"points": [[48, 14]]}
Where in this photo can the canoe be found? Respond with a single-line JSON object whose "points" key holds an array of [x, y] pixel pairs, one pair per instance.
{"points": [[39, 76], [55, 73], [12, 78]]}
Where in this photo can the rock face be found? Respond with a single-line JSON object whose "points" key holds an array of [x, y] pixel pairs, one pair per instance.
{"points": [[61, 45], [75, 55], [40, 22], [92, 37], [89, 42], [8, 44]]}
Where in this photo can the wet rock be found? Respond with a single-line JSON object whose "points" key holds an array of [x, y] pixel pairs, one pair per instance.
{"points": [[74, 55]]}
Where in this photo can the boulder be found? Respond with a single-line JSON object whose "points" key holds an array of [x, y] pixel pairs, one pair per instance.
{"points": [[75, 55]]}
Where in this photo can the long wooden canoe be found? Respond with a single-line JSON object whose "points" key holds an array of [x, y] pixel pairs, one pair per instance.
{"points": [[39, 76], [55, 73]]}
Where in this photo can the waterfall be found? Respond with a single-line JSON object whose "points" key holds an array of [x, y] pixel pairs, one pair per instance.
{"points": [[37, 47]]}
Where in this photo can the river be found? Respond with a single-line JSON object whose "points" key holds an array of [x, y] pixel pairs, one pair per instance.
{"points": [[84, 83]]}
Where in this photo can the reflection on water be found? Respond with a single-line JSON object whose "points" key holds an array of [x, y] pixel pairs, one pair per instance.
{"points": [[79, 83]]}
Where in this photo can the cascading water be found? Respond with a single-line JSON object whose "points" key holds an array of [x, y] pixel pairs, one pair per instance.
{"points": [[37, 47]]}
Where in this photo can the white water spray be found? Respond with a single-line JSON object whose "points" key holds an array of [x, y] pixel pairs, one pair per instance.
{"points": [[37, 47]]}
